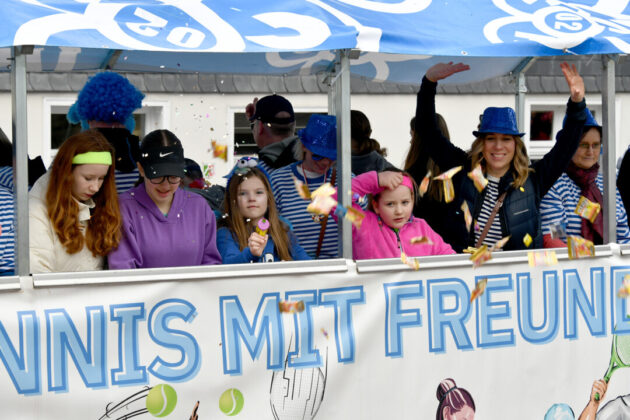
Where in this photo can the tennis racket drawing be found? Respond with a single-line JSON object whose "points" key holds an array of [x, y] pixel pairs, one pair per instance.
{"points": [[619, 356]]}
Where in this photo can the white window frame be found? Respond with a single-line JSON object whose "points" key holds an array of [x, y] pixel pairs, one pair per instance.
{"points": [[156, 117], [538, 149]]}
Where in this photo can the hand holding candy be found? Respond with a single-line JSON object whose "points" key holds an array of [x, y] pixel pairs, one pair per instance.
{"points": [[257, 243]]}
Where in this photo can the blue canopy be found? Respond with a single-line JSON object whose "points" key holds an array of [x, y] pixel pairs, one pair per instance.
{"points": [[297, 37]]}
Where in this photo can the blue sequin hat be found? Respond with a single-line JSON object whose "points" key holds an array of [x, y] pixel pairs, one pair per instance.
{"points": [[498, 120], [320, 136], [591, 121]]}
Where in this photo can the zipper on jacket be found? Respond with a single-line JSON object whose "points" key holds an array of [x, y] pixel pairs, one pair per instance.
{"points": [[398, 239]]}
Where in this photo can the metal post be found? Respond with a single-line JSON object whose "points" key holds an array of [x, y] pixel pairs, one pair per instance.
{"points": [[344, 169], [20, 157], [609, 141], [521, 91]]}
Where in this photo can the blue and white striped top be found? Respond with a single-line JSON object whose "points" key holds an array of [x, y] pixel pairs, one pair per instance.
{"points": [[490, 200], [7, 235], [559, 204], [126, 180], [6, 177], [293, 207]]}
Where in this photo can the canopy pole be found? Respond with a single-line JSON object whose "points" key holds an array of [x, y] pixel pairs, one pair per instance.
{"points": [[20, 157], [341, 109], [521, 90], [609, 141]]}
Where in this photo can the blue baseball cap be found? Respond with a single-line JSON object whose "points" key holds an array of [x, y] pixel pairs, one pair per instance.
{"points": [[498, 120], [320, 136]]}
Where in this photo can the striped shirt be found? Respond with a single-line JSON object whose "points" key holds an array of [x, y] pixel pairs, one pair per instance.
{"points": [[558, 206], [6, 177], [7, 233], [126, 180], [489, 201], [263, 165], [293, 207]]}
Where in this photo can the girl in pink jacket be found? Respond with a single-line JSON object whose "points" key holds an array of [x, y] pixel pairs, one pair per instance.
{"points": [[390, 228]]}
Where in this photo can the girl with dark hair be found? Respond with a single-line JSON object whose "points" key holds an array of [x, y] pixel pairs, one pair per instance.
{"points": [[508, 205], [253, 231], [455, 403], [164, 225], [367, 154], [74, 219]]}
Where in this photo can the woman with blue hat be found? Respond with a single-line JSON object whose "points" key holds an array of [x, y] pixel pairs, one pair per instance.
{"points": [[318, 140], [508, 205], [581, 179]]}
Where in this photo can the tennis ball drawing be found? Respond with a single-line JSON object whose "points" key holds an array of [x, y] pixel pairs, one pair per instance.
{"points": [[231, 402], [161, 400]]}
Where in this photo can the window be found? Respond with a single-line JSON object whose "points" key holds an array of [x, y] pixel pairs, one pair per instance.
{"points": [[244, 144], [541, 126]]}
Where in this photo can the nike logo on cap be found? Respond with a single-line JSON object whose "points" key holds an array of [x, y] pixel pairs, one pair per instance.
{"points": [[165, 154]]}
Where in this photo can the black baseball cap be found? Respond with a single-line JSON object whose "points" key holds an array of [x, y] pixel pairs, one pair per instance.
{"points": [[268, 107], [163, 161]]}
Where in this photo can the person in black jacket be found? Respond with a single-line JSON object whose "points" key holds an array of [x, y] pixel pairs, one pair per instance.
{"points": [[623, 180], [515, 187]]}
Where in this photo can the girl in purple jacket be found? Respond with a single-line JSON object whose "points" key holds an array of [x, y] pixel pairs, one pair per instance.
{"points": [[164, 225]]}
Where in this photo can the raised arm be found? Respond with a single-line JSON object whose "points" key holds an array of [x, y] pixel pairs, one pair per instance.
{"points": [[555, 162], [435, 145]]}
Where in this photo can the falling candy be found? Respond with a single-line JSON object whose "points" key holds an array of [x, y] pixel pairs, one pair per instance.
{"points": [[558, 231], [325, 190], [340, 211], [527, 240], [355, 216], [424, 185], [480, 287], [419, 240], [411, 262], [291, 307], [480, 256], [448, 174], [580, 247], [537, 258], [302, 189], [219, 150], [321, 204], [467, 216], [501, 243], [587, 209], [447, 183], [478, 179]]}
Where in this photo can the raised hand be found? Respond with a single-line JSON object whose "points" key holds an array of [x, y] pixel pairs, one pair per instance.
{"points": [[574, 81], [389, 179], [250, 109], [441, 71]]}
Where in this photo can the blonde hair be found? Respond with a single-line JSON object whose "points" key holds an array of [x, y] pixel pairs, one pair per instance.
{"points": [[236, 221], [520, 161]]}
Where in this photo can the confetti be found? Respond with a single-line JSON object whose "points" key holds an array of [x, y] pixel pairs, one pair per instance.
{"points": [[480, 256], [291, 307], [587, 209], [624, 291], [558, 231], [537, 258], [424, 185], [477, 228], [527, 240], [501, 243], [478, 179], [419, 240], [448, 174], [449, 190], [355, 216], [480, 287], [325, 333], [467, 216], [411, 262], [219, 150], [580, 247], [302, 189]]}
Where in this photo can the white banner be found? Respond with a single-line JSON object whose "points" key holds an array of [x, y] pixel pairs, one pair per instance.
{"points": [[365, 346]]}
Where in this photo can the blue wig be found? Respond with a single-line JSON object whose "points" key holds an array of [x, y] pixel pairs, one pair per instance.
{"points": [[106, 97]]}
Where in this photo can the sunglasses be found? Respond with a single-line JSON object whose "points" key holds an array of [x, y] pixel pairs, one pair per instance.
{"points": [[171, 179]]}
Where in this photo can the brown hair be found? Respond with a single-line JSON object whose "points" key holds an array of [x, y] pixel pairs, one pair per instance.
{"points": [[360, 132], [520, 161], [104, 227], [451, 396], [235, 220], [434, 192]]}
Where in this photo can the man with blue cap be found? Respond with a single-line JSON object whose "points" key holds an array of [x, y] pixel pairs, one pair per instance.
{"points": [[319, 153]]}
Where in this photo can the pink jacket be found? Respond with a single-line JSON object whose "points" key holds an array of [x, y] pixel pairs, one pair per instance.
{"points": [[376, 240]]}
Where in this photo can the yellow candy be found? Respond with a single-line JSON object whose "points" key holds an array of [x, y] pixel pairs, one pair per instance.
{"points": [[478, 179], [587, 209], [580, 247], [527, 240]]}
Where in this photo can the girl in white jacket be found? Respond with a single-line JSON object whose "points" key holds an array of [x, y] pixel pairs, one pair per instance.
{"points": [[74, 219]]}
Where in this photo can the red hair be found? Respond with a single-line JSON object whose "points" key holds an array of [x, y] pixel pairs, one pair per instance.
{"points": [[104, 227]]}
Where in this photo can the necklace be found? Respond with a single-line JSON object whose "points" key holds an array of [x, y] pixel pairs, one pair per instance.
{"points": [[317, 218]]}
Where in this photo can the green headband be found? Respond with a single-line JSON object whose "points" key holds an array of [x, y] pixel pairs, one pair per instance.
{"points": [[100, 158]]}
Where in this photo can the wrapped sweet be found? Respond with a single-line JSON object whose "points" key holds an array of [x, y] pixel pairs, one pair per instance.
{"points": [[587, 209]]}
